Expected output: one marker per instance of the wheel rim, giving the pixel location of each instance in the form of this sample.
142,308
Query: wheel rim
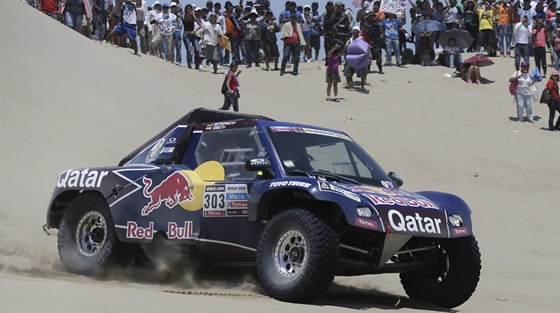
439,265
290,254
91,233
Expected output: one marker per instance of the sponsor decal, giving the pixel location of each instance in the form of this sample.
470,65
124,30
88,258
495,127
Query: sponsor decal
401,201
325,186
174,231
220,125
172,140
305,130
291,183
459,231
387,184
402,222
81,178
177,232
155,151
133,231
172,190
381,191
282,129
365,223
225,200
167,150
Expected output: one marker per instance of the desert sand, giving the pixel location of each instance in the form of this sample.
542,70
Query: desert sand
69,102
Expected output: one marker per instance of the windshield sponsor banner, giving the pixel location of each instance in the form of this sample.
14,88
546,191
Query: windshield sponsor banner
394,197
413,222
289,183
225,200
325,186
306,130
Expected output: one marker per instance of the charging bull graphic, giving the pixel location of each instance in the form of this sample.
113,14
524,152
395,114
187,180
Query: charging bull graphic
172,190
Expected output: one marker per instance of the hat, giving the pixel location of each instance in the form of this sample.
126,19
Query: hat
173,4
165,5
198,9
524,63
157,3
356,28
248,8
307,6
554,73
254,12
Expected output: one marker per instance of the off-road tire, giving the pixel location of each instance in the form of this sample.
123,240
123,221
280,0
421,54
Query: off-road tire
464,265
319,262
71,250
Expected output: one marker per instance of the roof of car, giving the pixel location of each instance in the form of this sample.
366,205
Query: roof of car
194,117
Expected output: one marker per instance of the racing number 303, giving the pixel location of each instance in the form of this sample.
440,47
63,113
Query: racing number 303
214,201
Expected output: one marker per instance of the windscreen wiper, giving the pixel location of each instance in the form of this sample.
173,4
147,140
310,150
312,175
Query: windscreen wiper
323,173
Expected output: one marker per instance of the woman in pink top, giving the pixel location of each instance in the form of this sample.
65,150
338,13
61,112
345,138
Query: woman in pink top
539,46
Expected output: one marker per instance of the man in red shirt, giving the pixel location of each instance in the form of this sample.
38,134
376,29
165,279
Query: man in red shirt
293,39
49,7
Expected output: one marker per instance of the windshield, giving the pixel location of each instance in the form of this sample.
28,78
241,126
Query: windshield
312,150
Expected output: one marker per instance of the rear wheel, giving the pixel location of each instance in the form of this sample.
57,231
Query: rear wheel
297,256
87,241
453,274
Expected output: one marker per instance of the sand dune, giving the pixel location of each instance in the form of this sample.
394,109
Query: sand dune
67,102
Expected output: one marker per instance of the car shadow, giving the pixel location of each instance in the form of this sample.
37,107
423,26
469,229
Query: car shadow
366,298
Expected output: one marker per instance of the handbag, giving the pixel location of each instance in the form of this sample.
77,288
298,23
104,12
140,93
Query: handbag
513,88
546,97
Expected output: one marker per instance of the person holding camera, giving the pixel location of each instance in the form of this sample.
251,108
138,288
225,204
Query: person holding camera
230,88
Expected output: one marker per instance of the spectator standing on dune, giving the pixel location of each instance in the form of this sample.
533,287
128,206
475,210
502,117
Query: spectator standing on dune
128,25
167,24
75,13
230,88
293,38
523,94
211,30
49,7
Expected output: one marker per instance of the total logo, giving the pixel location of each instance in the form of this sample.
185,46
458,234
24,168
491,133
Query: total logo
413,223
174,231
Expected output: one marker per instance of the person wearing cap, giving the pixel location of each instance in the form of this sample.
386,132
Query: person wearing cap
521,35
190,39
293,39
230,88
177,38
167,24
524,92
151,30
554,103
306,31
128,25
211,31
252,31
269,28
504,12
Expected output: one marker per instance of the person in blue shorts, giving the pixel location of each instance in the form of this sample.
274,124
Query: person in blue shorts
127,26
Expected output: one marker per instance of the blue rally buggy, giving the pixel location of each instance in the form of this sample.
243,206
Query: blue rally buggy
301,203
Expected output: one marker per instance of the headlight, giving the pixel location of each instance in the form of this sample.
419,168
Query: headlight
364,211
455,220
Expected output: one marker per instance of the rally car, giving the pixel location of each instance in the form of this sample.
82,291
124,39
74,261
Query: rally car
300,203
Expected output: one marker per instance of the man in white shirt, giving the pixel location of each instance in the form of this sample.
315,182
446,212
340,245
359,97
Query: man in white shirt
128,25
211,31
526,10
521,35
167,24
148,18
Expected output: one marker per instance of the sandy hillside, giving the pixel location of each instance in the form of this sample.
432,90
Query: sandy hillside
68,102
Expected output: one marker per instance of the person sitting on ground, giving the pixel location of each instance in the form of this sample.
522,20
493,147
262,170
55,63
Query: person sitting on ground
427,54
470,73
452,53
554,103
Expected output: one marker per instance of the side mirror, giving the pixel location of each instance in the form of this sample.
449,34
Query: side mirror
396,178
260,164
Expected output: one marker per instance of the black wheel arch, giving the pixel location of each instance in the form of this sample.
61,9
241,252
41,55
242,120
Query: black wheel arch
61,202
275,201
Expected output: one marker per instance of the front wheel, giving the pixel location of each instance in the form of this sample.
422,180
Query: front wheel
453,274
297,256
87,241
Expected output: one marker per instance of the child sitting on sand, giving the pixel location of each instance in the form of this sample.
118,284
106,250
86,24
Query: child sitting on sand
332,76
452,53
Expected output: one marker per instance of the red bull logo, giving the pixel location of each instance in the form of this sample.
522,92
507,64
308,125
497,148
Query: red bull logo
172,190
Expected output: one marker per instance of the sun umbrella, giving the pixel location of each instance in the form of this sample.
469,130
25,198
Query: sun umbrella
479,60
428,26
462,38
357,54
